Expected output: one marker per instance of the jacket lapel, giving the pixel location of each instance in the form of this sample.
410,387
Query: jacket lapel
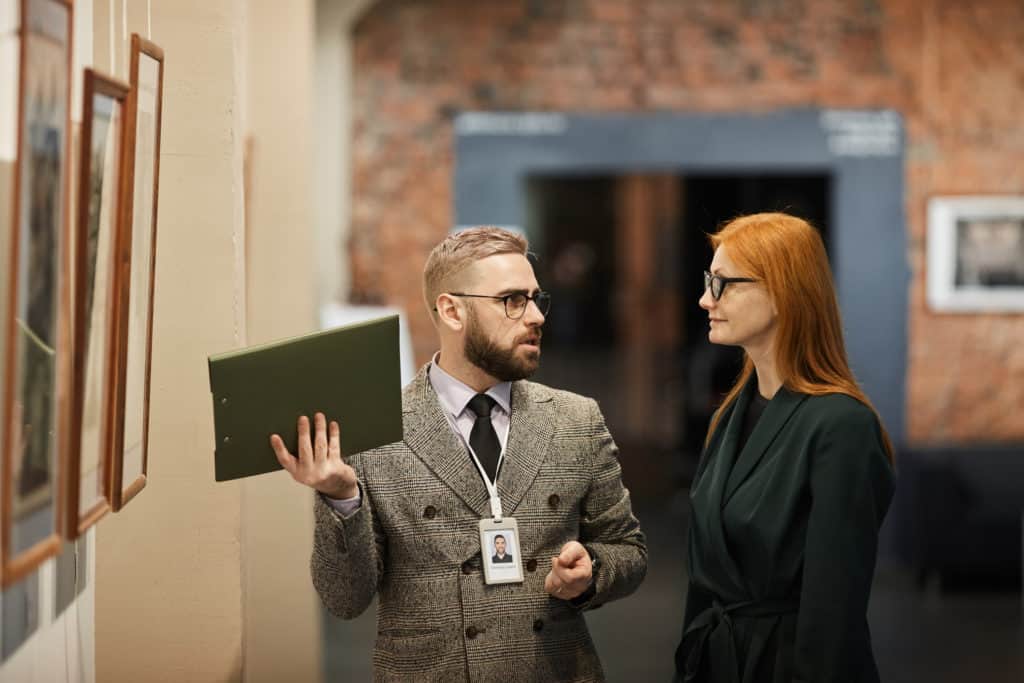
775,416
708,496
728,449
529,435
429,435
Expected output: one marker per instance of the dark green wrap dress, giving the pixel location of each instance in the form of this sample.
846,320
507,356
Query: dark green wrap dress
783,539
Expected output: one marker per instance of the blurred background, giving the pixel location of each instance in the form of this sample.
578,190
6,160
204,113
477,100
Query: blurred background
313,153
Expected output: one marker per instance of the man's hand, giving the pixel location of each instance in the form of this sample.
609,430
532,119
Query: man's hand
319,464
570,573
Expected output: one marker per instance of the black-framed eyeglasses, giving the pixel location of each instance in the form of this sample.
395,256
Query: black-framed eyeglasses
516,302
717,283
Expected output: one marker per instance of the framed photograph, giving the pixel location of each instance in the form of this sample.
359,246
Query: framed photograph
499,548
976,254
96,286
137,261
36,323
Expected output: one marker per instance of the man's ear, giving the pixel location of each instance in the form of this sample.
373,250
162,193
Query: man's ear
450,312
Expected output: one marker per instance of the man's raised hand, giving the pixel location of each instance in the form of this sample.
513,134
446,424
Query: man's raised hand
318,464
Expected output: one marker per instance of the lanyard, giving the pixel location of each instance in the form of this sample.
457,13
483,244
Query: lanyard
492,488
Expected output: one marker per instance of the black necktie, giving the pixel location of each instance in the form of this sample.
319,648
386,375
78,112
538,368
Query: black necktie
483,439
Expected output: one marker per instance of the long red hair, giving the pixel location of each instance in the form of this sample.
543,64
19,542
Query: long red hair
786,254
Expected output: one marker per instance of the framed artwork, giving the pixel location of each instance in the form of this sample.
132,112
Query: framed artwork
36,323
137,259
99,191
976,254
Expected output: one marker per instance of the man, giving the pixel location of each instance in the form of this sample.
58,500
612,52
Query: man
499,550
406,521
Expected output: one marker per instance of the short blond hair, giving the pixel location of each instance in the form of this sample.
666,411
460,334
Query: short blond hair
459,250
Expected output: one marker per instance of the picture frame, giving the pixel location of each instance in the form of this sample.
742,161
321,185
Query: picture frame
975,254
34,414
137,261
100,189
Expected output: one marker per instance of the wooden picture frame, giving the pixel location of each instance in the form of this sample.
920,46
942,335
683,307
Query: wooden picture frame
100,189
975,254
137,261
36,322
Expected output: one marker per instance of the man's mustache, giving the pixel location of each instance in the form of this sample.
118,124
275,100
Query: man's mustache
533,338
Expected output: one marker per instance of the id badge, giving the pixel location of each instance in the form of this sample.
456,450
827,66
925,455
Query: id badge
499,548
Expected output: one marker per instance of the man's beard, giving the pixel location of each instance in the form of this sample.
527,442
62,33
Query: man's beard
494,360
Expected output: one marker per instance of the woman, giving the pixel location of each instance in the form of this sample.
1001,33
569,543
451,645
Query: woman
795,478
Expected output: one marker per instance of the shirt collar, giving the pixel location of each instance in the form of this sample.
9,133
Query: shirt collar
455,394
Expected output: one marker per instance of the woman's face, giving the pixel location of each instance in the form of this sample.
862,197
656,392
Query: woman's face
745,315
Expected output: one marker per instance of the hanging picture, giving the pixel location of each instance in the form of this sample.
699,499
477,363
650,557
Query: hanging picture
99,194
137,261
976,254
35,324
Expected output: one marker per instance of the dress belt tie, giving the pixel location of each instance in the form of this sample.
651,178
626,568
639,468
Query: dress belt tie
713,631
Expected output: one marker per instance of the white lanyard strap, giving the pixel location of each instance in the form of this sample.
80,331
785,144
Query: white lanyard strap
492,489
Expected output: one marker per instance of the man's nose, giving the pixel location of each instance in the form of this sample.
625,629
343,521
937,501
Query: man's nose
533,316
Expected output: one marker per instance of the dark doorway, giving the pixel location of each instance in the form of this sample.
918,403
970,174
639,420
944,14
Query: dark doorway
572,234
623,256
605,247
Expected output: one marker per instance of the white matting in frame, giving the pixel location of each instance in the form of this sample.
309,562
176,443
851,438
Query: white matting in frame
499,549
976,254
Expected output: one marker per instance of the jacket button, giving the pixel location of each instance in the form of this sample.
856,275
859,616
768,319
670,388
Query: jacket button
471,632
538,625
531,565
554,500
467,567
429,512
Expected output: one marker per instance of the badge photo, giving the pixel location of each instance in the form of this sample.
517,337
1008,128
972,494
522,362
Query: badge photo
499,548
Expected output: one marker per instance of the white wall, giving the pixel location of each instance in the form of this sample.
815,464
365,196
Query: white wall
169,591
280,607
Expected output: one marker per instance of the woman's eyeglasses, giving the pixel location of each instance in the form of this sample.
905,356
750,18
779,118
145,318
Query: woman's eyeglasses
717,283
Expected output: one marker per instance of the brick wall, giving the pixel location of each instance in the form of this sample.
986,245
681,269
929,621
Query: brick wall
955,70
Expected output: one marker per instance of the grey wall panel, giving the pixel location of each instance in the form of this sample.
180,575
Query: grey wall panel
862,151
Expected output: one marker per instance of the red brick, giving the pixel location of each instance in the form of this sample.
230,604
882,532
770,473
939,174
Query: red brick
611,11
955,71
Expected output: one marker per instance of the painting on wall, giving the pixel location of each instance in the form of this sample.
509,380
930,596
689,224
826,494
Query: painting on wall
135,309
36,325
976,254
10,41
100,188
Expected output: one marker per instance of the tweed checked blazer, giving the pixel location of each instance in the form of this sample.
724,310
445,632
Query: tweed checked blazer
415,542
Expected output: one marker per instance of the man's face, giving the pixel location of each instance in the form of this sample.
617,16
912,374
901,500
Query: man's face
505,349
499,546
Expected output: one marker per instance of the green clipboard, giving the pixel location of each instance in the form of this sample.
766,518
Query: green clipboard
351,374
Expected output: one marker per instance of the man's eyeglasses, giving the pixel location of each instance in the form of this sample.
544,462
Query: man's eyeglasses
516,303
717,283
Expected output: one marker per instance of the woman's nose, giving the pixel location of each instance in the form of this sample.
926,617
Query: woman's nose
707,302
